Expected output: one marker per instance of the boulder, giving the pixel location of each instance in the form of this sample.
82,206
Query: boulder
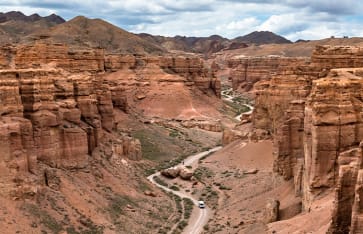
251,171
150,194
172,172
185,173
272,211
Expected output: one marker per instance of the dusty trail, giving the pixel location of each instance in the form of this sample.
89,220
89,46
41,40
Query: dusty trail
229,98
196,225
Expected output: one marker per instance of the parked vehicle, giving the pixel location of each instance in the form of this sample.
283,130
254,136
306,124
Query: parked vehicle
201,204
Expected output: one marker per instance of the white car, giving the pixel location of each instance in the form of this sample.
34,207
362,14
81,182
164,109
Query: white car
201,204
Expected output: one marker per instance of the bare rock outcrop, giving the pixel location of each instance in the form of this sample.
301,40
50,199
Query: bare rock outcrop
172,172
59,56
357,216
178,171
247,71
212,126
313,113
272,211
185,173
58,106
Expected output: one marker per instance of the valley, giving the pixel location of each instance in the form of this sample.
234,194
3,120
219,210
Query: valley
107,131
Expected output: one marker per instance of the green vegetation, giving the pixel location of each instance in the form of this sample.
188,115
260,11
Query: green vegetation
182,224
235,108
227,173
203,172
54,226
240,100
174,133
117,205
208,194
45,219
223,187
165,165
149,146
160,181
188,207
175,188
142,186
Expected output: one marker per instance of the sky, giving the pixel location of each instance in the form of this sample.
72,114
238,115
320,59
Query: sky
293,19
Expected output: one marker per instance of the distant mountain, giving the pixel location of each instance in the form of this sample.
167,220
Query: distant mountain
203,45
301,40
214,43
82,31
262,37
19,16
14,25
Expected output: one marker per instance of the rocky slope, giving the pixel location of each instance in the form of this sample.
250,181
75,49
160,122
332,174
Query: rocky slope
262,37
215,43
297,49
246,71
202,45
82,31
61,116
19,16
15,25
312,111
66,99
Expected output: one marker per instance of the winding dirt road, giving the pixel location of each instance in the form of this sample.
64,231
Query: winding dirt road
195,226
229,98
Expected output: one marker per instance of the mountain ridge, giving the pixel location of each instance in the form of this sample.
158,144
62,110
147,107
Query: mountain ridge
19,16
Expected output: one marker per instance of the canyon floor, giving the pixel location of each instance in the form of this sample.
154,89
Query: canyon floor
236,183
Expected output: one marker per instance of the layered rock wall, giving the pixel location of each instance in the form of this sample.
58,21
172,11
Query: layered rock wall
60,56
191,68
57,106
314,114
245,72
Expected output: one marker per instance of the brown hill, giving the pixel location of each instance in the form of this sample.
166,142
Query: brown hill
81,31
19,16
297,49
214,43
202,45
262,37
14,25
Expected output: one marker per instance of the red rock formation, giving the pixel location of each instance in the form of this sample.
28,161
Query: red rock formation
314,115
57,106
357,216
337,56
247,71
59,56
191,68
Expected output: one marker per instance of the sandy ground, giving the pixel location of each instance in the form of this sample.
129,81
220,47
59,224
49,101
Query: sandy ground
199,216
238,199
316,221
243,197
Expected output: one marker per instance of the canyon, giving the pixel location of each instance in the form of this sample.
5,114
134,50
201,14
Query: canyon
311,108
62,112
93,117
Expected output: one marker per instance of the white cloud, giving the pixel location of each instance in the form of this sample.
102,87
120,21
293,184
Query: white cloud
294,19
243,24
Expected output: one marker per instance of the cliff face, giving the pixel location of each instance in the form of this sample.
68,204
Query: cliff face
245,72
313,113
192,69
57,105
165,87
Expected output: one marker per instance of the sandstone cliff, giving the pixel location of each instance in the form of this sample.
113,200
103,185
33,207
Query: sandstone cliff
246,71
313,113
57,104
